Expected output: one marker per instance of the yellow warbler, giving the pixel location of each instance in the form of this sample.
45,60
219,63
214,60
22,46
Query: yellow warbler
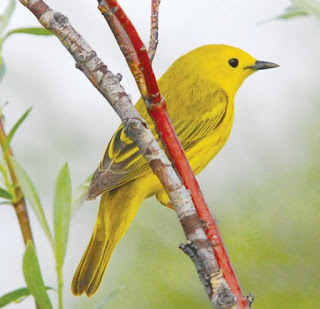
199,89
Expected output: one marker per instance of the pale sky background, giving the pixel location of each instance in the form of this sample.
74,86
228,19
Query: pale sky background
69,113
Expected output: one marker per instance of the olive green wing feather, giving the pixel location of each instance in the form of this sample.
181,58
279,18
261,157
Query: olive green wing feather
122,160
121,163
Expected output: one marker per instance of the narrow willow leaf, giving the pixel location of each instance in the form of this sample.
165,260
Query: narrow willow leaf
14,296
5,194
4,19
109,297
29,30
302,8
62,213
80,193
15,128
309,6
5,203
32,197
33,277
2,68
293,11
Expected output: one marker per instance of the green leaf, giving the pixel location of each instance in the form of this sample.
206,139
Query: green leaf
80,193
16,296
33,277
62,213
309,6
2,68
5,203
4,19
32,197
109,297
302,8
29,30
14,129
5,194
293,11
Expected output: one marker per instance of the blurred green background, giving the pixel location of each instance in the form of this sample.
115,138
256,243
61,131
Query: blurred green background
263,187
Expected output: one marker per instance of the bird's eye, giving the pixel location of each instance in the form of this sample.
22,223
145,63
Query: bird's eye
234,62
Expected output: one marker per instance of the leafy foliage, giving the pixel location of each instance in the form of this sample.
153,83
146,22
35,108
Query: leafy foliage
61,216
62,213
15,128
4,20
32,197
15,296
5,194
5,17
302,8
33,277
29,30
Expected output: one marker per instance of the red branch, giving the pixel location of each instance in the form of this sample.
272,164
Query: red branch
157,109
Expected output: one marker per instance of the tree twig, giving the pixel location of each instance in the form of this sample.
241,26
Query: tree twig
18,202
154,33
156,106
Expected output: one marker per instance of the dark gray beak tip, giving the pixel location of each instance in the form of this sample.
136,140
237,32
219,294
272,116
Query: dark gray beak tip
263,65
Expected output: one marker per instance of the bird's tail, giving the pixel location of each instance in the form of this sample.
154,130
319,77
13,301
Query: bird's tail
117,210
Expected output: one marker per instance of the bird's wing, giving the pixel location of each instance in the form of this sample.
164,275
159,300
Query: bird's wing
123,162
192,131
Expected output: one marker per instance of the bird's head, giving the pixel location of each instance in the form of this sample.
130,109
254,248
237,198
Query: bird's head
227,66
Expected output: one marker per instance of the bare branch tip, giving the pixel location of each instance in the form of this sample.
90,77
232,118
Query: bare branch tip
250,298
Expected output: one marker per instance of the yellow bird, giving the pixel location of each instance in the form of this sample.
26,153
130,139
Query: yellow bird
199,89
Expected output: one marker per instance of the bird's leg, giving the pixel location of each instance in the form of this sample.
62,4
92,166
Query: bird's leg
164,199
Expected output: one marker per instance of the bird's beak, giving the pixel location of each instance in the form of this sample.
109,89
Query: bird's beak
262,65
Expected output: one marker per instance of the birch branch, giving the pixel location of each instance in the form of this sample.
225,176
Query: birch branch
198,247
18,203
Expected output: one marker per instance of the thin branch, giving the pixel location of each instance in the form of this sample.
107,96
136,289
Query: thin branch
154,33
157,110
108,85
18,202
